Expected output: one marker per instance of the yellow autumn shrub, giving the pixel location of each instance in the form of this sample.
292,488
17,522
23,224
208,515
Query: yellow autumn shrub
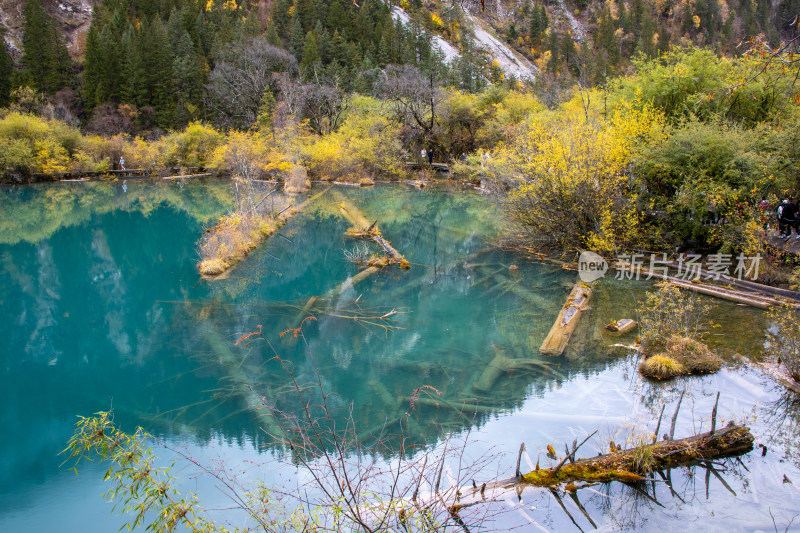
194,146
365,146
32,144
569,170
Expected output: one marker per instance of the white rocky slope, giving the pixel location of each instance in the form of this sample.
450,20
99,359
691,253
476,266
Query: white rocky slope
576,26
510,62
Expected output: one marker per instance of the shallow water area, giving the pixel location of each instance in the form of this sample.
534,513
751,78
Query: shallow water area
102,307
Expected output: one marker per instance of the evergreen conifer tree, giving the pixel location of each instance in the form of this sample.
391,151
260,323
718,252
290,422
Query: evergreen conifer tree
6,71
296,37
45,59
311,57
272,35
251,27
187,74
91,66
569,54
553,47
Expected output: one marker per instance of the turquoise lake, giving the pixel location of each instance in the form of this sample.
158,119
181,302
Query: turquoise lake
101,307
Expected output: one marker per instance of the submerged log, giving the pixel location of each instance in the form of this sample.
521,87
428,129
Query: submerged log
634,464
502,364
235,372
351,282
556,341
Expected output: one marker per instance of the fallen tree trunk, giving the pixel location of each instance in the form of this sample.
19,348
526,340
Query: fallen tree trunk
234,370
724,294
362,228
633,464
556,341
752,294
502,364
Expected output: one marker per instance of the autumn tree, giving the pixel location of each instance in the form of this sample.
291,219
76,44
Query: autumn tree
415,103
242,74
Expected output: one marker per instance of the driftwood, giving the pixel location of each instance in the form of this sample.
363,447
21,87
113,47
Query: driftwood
634,464
558,338
623,325
762,302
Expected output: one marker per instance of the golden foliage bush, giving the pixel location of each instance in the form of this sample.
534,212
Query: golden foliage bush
570,173
661,367
365,146
31,144
681,356
252,155
194,146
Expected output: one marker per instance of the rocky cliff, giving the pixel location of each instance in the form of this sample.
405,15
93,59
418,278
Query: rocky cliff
73,16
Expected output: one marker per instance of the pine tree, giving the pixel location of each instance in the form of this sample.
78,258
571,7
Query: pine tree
251,27
187,73
6,71
280,17
304,9
296,37
552,46
45,59
569,54
337,18
160,72
339,50
384,52
272,35
311,57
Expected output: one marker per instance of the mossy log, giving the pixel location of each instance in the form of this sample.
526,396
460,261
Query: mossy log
215,269
502,364
556,341
464,407
363,228
380,392
634,464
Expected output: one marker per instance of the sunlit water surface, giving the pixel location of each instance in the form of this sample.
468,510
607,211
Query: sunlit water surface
101,307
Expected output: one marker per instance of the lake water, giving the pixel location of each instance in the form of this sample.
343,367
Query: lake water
101,307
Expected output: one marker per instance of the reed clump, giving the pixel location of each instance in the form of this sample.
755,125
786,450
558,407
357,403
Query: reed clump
678,356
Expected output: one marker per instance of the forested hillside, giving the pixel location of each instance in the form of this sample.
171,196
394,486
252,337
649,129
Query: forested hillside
153,65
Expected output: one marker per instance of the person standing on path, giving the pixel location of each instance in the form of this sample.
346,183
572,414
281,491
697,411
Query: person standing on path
796,221
786,218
